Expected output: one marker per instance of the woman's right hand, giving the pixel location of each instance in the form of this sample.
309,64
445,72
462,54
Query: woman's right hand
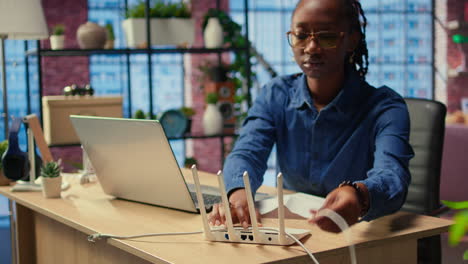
239,210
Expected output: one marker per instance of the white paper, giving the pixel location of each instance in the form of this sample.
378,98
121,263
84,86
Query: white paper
298,203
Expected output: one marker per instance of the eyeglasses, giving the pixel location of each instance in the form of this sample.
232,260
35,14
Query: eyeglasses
325,39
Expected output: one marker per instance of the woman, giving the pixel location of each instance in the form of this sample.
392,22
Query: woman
336,135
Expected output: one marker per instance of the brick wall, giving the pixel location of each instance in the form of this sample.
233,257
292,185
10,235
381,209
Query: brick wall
457,87
58,72
206,151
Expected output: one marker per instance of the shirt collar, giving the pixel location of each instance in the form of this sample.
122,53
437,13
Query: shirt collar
344,101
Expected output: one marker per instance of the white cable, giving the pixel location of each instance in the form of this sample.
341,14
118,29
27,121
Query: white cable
296,240
341,223
97,236
336,218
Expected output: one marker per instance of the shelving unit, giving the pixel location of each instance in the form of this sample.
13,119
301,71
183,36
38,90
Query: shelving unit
149,52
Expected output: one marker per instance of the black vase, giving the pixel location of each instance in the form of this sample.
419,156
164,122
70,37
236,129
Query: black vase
15,162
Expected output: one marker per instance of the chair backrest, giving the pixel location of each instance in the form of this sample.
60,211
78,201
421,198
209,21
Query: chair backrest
427,139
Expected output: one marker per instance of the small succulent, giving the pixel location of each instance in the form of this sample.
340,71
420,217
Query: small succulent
139,114
211,98
58,30
50,170
188,111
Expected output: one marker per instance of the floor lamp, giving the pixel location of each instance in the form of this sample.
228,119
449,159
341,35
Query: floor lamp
19,19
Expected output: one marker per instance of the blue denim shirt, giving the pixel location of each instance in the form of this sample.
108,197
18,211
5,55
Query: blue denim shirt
362,136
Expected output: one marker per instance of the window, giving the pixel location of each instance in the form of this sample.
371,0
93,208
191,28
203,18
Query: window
109,72
399,38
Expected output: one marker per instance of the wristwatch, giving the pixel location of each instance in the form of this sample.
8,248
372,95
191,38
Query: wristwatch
362,199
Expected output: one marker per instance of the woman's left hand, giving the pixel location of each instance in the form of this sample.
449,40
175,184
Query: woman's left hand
344,201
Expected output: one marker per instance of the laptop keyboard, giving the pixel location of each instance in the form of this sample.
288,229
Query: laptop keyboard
209,199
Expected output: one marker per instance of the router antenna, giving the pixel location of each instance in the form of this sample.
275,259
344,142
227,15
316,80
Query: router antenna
251,205
282,233
227,209
201,204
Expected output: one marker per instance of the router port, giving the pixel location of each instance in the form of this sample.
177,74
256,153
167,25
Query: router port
250,237
243,237
226,236
269,238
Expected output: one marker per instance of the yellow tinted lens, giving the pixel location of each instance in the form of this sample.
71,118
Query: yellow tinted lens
327,39
298,40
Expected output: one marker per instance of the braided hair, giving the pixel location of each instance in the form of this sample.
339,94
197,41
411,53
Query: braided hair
353,12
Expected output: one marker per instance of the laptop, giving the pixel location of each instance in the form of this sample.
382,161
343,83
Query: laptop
133,160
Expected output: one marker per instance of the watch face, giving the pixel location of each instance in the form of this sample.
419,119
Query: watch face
174,123
224,92
226,109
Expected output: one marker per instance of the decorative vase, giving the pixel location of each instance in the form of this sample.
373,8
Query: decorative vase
91,36
213,35
51,187
212,120
57,42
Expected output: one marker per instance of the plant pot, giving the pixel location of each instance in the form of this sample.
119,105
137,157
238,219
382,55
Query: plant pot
52,187
212,120
57,42
91,36
164,31
213,34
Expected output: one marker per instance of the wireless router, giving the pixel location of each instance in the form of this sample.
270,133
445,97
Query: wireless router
254,234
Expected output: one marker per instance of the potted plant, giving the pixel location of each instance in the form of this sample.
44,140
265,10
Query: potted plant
170,24
189,161
57,39
458,230
189,112
51,180
3,147
110,36
212,118
139,114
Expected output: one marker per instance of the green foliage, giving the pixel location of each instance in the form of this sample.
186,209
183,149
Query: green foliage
238,71
211,98
188,111
3,148
139,114
151,116
159,10
189,161
58,30
50,170
110,31
234,37
459,229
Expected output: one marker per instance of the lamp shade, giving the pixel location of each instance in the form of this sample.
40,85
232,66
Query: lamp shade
22,19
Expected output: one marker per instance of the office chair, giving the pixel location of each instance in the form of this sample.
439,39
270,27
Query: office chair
427,138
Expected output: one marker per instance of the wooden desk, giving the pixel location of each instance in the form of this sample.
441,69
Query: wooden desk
55,231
